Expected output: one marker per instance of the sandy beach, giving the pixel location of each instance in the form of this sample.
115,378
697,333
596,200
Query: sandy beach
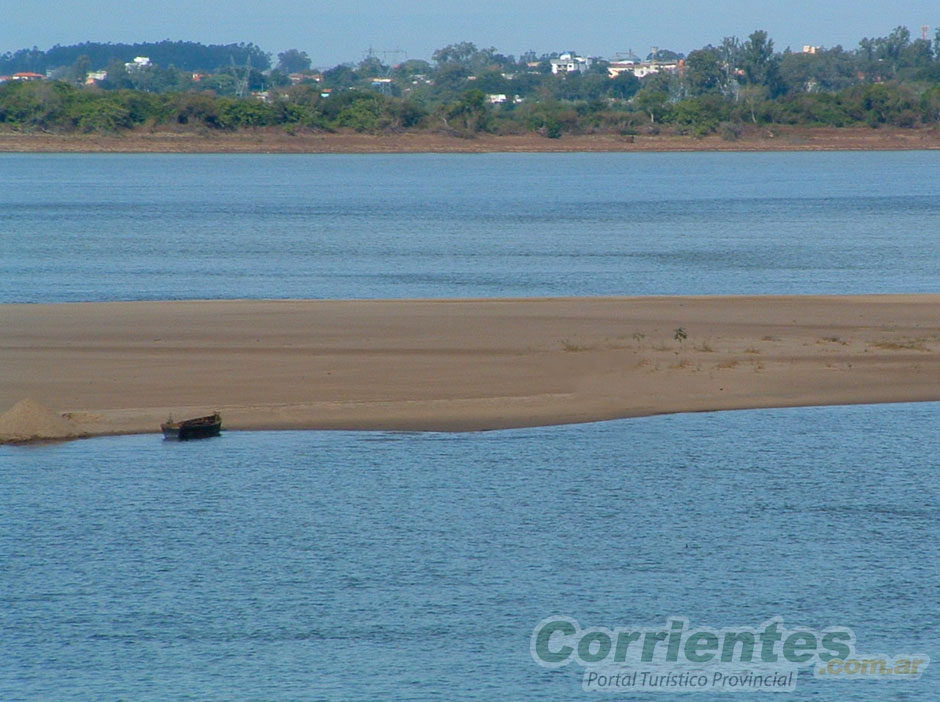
123,367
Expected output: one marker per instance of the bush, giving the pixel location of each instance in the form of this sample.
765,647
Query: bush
102,115
730,131
246,112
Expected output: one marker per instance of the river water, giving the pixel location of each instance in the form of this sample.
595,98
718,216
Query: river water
411,566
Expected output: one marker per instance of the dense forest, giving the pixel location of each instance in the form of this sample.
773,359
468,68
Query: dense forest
891,80
184,55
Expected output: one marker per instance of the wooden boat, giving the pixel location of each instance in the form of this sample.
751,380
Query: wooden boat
196,428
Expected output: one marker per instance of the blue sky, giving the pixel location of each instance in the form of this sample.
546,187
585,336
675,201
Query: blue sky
337,32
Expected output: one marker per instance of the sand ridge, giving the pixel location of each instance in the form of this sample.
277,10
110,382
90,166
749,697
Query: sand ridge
29,420
122,367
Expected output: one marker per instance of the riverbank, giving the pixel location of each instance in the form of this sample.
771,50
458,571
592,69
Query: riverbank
277,141
123,367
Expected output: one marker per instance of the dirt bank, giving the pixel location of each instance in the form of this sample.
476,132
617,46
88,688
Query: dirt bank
277,141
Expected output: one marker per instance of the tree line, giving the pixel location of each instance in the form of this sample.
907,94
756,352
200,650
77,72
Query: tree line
184,55
892,80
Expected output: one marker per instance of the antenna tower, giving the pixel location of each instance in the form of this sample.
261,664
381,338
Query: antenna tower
241,81
385,54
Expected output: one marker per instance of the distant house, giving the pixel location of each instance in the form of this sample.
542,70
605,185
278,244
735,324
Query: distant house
138,63
567,63
27,75
503,99
641,69
93,77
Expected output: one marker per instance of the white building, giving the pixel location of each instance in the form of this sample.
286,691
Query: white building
566,63
641,69
138,63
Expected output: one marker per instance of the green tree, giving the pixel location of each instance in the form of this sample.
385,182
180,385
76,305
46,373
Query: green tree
470,114
461,53
195,109
118,78
99,114
892,47
624,86
293,61
340,77
754,98
371,67
884,103
80,68
695,116
730,54
703,71
245,112
36,105
760,64
143,107
450,81
930,105
826,71
407,70
918,54
652,101
408,113
493,82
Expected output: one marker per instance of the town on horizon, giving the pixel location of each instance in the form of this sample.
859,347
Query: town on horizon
891,80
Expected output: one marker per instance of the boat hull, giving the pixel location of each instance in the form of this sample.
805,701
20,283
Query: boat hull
198,428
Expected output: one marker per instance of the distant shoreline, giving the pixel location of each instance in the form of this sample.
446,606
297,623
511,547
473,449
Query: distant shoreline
82,369
277,141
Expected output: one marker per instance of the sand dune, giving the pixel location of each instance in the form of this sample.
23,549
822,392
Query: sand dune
460,364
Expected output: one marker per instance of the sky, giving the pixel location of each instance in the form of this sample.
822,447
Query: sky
339,32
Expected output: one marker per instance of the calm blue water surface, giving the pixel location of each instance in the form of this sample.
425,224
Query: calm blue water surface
368,566
384,566
105,227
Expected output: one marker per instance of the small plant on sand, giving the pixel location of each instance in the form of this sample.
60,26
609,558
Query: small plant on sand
571,347
679,334
906,344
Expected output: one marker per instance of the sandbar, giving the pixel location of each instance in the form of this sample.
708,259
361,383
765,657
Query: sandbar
460,365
